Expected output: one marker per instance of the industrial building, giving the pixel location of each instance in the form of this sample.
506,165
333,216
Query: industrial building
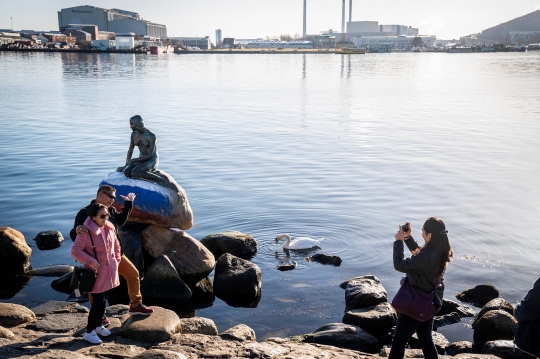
202,43
324,41
278,44
390,43
525,24
113,20
218,38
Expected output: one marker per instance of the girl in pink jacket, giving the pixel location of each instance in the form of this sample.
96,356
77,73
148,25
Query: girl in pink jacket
101,233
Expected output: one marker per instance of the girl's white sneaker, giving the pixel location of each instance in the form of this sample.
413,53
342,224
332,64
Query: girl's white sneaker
92,337
104,332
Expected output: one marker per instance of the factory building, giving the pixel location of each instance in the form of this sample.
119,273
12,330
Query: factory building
112,20
203,43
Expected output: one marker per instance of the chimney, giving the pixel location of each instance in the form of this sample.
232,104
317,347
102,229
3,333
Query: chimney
343,22
304,33
350,10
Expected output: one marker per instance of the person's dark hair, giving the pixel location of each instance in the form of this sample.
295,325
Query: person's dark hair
94,209
106,188
439,242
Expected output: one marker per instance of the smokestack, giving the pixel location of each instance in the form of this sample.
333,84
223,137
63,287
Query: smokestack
350,10
343,22
304,19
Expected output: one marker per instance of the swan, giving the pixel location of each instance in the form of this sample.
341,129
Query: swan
298,242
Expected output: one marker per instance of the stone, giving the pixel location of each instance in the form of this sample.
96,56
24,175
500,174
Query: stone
117,310
461,347
346,336
157,327
155,204
6,333
233,242
504,349
325,259
449,306
438,339
60,323
474,356
12,284
51,271
479,295
49,240
12,315
162,281
495,304
447,319
286,264
363,292
55,354
191,259
240,332
376,320
130,235
202,294
63,284
52,306
236,277
409,353
198,325
494,325
14,252
112,350
159,354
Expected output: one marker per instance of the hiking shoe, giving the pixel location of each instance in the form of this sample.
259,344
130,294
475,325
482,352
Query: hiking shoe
104,332
140,310
105,322
92,337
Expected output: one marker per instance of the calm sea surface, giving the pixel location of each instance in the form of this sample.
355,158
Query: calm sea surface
345,147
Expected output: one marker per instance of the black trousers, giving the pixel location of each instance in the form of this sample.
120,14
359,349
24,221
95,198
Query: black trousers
97,311
405,328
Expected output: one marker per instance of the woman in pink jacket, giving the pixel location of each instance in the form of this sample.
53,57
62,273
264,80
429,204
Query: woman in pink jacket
101,233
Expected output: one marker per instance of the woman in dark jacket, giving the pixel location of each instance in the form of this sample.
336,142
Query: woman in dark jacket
425,270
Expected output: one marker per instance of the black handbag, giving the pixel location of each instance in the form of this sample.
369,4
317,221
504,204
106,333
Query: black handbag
84,279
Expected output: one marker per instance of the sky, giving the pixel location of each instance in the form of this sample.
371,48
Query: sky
258,19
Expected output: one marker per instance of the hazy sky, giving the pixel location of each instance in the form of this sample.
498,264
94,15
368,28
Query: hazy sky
255,18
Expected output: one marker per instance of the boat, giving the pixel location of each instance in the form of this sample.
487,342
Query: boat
533,47
348,50
160,48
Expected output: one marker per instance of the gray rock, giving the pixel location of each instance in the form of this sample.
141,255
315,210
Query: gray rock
60,323
474,356
494,325
54,354
448,319
51,306
346,336
285,266
62,284
326,259
461,347
236,277
343,284
233,242
14,252
240,332
6,333
130,234
159,354
376,320
495,304
191,259
438,339
117,310
157,327
112,350
12,315
51,271
198,325
449,306
363,292
504,349
409,353
162,281
49,240
479,295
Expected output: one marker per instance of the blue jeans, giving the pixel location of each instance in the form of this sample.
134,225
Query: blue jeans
405,328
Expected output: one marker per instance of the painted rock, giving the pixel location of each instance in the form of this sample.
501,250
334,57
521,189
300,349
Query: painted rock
154,204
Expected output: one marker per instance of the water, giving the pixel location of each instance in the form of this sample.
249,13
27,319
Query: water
345,147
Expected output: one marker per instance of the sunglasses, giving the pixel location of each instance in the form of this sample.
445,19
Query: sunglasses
111,196
103,216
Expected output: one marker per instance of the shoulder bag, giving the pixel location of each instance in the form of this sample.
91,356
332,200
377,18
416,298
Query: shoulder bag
415,303
84,279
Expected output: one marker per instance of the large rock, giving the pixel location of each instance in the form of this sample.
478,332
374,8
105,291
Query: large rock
191,259
450,306
364,291
62,284
51,271
494,325
49,240
14,252
240,332
155,204
326,259
495,304
233,242
376,320
479,295
461,347
55,354
447,319
504,349
157,327
60,323
6,333
198,325
159,354
130,235
346,336
12,315
236,277
162,281
438,339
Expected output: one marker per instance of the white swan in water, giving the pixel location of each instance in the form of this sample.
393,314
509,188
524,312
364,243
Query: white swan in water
298,242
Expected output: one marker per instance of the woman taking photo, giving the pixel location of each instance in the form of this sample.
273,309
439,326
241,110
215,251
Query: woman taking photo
100,235
425,270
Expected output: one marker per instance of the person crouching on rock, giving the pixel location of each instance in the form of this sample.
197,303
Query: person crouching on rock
425,271
101,233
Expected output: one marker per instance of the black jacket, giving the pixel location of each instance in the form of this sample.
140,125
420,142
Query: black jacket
527,313
421,269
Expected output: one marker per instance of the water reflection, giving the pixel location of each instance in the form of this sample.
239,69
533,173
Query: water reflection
11,285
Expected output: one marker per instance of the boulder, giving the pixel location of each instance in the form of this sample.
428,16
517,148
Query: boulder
346,336
52,306
409,353
117,310
112,350
447,319
14,252
363,292
155,204
62,284
157,327
12,284
449,306
286,264
6,333
51,271
130,235
49,240
60,323
54,354
198,325
495,304
325,259
494,325
233,242
240,332
479,295
236,277
461,347
12,315
159,354
504,349
376,320
191,259
162,281
202,294
438,339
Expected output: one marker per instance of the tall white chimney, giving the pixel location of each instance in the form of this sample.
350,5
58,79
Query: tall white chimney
343,22
304,33
350,10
